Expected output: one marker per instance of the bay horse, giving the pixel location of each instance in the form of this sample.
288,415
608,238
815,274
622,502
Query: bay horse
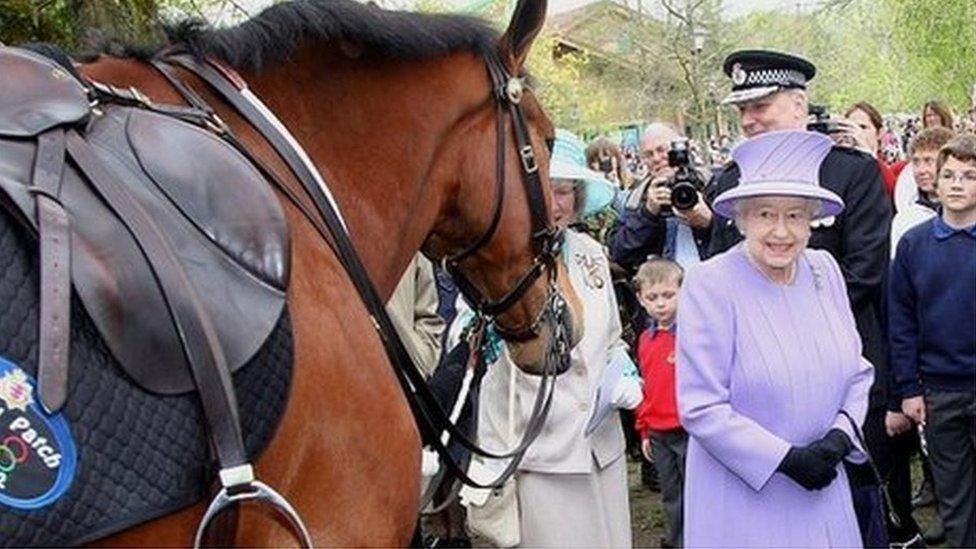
396,110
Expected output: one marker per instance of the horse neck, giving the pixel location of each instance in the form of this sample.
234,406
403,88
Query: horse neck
374,129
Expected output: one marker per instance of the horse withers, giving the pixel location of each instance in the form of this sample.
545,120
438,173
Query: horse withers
398,113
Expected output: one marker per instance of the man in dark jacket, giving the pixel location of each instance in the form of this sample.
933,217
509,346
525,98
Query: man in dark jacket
649,225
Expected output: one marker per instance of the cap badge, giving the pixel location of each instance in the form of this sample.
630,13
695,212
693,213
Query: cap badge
738,75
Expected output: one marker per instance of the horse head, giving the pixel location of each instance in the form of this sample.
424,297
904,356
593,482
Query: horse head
497,235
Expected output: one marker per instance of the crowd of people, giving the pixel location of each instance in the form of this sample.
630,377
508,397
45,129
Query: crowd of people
784,322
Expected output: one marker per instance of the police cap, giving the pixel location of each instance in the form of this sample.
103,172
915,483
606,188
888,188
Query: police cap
758,73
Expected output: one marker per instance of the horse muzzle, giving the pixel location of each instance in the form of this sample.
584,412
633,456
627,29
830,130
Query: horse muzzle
560,328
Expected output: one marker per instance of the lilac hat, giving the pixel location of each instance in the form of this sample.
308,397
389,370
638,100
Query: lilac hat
784,163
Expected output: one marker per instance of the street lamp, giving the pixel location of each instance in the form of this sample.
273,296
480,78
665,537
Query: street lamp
698,35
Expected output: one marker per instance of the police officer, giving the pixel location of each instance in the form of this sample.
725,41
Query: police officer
769,91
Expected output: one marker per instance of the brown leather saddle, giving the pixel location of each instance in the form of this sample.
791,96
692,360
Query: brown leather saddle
171,237
208,204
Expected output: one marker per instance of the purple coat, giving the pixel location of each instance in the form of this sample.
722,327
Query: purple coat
761,367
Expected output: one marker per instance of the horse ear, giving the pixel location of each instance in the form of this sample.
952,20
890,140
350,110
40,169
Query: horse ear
527,20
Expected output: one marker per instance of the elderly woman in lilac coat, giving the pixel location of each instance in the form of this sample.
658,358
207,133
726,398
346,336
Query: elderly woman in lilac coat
770,366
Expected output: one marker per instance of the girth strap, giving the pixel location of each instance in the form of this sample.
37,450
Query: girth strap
55,256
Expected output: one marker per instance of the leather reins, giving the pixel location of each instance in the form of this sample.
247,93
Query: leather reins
431,419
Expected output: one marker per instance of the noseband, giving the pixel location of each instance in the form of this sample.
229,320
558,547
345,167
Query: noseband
546,239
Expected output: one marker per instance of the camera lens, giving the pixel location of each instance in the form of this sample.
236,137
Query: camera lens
684,196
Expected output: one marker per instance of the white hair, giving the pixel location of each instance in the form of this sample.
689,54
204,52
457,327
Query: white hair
740,209
800,92
664,129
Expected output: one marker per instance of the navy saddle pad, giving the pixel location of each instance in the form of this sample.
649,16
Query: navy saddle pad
116,455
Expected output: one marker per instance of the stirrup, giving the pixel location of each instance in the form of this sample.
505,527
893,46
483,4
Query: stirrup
238,485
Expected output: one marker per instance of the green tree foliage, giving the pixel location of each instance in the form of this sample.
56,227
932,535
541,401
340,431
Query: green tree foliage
937,40
80,25
896,54
29,21
77,25
571,97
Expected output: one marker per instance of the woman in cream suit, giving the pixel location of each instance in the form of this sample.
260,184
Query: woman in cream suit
572,487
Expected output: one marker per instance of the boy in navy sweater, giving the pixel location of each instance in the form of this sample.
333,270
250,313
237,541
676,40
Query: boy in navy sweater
932,334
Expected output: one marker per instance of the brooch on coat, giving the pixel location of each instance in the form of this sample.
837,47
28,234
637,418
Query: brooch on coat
818,276
592,267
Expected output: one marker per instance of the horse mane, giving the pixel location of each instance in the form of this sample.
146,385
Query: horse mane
277,32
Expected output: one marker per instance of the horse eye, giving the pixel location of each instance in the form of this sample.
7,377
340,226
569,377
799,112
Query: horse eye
550,142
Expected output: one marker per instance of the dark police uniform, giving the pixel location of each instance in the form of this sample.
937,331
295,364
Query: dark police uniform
858,238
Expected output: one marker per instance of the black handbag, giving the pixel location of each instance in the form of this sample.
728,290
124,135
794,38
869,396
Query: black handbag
872,503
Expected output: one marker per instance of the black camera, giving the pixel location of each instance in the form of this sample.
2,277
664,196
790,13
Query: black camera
606,165
822,122
686,184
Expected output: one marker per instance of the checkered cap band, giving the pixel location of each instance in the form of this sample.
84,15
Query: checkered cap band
773,77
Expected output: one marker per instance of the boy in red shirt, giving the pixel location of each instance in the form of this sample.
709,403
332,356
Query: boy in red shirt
663,441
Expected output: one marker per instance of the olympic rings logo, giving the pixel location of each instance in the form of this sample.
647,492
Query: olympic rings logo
9,459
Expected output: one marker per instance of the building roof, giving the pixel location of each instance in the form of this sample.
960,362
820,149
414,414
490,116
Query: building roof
605,29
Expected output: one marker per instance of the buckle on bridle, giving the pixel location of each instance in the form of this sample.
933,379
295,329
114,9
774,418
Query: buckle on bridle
527,156
549,241
216,124
513,90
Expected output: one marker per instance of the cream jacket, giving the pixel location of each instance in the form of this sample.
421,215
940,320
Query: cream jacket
506,392
413,310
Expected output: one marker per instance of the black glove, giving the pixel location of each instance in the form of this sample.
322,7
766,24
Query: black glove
808,468
833,447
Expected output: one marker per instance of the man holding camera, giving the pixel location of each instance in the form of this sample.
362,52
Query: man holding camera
666,214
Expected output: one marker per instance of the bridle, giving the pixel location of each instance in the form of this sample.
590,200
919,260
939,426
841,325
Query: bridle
546,238
431,419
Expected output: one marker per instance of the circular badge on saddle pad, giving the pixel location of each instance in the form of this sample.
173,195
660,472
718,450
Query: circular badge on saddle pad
37,453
